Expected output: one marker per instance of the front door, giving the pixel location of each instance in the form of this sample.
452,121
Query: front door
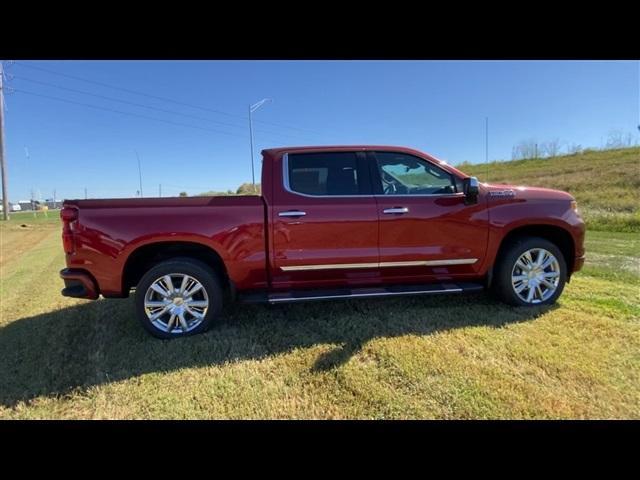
426,231
324,221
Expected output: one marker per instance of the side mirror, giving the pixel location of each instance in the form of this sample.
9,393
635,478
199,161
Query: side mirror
470,188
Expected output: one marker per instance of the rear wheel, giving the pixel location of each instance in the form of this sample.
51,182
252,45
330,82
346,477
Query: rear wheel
178,297
532,271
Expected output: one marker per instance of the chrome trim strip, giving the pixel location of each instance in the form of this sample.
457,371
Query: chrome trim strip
459,194
335,266
431,263
362,295
413,263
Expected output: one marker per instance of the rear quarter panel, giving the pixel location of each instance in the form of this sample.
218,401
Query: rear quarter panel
110,231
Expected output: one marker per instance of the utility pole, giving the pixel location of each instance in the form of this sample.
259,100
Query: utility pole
3,164
253,108
160,190
85,193
139,173
486,144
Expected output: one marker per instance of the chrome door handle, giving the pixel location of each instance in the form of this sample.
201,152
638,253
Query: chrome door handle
396,210
292,213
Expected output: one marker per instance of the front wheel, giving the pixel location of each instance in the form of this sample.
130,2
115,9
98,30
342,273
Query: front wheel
178,297
532,271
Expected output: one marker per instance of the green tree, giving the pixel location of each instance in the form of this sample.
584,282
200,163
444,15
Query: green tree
247,189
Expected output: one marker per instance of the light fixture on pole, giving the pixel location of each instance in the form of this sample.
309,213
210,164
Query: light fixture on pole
253,108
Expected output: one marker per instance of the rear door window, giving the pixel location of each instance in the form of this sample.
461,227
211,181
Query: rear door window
325,174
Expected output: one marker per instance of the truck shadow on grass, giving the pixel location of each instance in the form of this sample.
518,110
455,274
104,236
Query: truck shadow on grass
96,343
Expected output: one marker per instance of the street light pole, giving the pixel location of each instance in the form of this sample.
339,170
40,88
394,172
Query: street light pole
253,175
253,108
139,173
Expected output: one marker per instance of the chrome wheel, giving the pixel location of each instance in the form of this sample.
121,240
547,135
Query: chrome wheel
535,275
176,303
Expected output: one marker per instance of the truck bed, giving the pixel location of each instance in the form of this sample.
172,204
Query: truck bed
221,201
108,231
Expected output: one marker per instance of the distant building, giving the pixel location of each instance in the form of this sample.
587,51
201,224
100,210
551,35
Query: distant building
53,205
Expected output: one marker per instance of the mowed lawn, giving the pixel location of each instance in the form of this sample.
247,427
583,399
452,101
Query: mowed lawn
421,357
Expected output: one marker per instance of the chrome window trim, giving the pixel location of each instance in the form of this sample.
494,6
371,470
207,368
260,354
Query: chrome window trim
411,263
287,186
420,195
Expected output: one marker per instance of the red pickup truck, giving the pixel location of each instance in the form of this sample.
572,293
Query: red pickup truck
332,222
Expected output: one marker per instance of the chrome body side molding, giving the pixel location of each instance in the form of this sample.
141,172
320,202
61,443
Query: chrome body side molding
414,263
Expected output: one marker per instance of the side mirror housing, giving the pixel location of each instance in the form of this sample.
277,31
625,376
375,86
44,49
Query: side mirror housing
471,189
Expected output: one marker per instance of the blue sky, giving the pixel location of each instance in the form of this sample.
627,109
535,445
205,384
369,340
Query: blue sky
434,106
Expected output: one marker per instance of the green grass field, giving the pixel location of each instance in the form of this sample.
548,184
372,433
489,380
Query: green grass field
436,357
604,182
420,357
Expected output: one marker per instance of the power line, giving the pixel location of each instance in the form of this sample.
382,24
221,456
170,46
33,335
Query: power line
125,113
165,99
164,110
126,102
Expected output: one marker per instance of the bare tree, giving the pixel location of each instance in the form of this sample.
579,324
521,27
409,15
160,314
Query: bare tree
550,148
574,149
524,150
619,139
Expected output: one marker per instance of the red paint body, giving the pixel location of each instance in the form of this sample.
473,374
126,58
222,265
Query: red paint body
254,243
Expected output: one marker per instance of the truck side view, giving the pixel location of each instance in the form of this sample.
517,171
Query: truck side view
332,222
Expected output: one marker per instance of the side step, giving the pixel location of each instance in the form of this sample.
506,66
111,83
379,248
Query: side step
330,294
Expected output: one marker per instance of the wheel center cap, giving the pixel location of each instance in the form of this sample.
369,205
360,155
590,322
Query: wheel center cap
178,301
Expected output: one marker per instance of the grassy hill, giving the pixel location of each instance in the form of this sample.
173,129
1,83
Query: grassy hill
606,183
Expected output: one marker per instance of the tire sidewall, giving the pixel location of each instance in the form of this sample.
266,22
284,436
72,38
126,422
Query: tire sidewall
188,266
504,287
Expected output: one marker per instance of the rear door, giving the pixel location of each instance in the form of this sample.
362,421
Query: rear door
324,220
426,231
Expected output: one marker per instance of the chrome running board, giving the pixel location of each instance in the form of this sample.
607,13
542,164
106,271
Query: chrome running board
365,292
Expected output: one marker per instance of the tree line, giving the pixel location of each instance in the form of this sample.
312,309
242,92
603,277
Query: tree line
244,189
529,149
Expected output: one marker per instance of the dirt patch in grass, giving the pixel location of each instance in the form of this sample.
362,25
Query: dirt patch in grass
18,239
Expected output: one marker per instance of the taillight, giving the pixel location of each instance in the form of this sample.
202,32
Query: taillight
68,216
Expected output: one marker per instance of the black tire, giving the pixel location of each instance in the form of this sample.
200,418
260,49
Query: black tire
502,285
181,266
